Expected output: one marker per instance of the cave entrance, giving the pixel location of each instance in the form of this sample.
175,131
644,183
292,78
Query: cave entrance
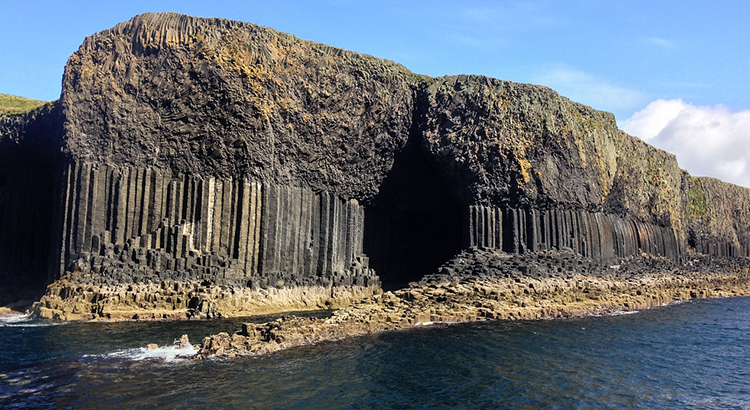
415,223
27,193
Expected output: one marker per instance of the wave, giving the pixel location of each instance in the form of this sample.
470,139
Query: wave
25,320
164,354
623,312
618,313
7,318
34,324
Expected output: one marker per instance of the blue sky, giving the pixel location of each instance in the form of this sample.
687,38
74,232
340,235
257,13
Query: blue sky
661,67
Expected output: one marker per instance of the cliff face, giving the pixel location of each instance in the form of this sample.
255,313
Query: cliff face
518,144
521,145
229,99
716,215
214,151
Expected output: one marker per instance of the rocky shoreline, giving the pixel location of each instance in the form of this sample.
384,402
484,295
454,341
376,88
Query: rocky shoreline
476,285
83,296
482,285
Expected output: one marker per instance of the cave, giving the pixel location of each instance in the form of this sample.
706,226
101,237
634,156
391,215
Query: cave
26,200
415,223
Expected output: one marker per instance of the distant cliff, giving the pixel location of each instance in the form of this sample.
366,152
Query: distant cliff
199,149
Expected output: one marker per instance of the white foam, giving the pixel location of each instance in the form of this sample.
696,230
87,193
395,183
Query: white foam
14,318
25,320
165,354
36,324
618,313
19,320
623,312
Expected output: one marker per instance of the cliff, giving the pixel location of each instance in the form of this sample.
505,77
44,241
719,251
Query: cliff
717,215
225,99
207,152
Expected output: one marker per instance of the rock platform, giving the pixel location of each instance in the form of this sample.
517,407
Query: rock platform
79,298
482,285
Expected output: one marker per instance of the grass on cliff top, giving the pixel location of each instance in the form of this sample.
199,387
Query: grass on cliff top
11,104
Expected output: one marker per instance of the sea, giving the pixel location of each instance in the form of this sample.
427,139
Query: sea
693,355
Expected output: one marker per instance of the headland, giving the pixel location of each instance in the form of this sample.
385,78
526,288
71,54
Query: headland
202,168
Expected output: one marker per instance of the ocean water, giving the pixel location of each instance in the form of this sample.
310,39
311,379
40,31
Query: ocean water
693,355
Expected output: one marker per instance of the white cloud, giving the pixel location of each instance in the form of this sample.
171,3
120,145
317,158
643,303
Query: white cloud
590,90
648,122
708,141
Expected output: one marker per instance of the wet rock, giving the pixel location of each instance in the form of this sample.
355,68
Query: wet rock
184,342
466,297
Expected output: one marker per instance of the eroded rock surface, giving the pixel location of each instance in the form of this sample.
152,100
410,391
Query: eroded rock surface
80,296
224,98
488,285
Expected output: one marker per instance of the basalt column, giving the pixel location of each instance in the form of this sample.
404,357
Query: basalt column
597,235
140,223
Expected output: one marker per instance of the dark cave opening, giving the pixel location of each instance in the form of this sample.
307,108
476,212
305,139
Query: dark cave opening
415,223
26,198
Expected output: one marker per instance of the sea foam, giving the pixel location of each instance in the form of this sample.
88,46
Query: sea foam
25,320
10,318
166,354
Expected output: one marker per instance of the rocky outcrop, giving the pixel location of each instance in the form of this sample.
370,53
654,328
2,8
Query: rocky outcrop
487,285
89,296
187,151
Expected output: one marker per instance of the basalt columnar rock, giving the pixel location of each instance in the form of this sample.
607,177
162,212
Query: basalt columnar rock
195,159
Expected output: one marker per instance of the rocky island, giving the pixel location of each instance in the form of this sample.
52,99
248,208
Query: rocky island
200,168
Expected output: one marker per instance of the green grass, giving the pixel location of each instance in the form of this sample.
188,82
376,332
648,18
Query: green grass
11,104
697,206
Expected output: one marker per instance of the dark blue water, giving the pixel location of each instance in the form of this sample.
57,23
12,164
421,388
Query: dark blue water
691,355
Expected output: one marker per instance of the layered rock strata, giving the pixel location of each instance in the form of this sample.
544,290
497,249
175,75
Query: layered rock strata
488,285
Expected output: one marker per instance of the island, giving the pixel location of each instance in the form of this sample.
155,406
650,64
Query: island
204,168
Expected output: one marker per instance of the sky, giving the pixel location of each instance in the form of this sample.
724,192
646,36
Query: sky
674,73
